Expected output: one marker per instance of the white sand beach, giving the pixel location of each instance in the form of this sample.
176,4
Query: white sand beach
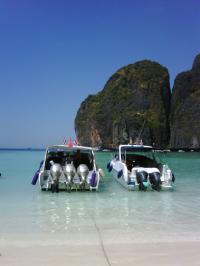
151,254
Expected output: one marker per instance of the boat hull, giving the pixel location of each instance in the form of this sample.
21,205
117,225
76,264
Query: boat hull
128,181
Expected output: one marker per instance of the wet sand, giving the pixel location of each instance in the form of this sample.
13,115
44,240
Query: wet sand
165,254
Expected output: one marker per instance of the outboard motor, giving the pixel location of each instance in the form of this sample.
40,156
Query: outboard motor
155,181
69,172
55,171
83,172
142,180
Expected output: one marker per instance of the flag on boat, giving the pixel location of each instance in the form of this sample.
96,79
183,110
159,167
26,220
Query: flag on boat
64,141
76,142
70,143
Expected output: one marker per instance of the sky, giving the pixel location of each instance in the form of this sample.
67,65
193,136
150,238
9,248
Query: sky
54,53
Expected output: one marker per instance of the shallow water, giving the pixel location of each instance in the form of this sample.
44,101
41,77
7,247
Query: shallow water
29,216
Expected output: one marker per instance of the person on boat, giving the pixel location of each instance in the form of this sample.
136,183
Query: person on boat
69,159
77,158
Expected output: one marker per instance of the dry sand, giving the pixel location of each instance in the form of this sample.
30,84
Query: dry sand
162,254
99,245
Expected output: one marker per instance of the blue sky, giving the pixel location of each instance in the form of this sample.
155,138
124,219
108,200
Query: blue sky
54,53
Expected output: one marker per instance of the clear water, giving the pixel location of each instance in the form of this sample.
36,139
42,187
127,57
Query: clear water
29,216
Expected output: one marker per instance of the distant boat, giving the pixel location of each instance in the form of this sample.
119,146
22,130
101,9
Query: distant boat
96,148
136,167
68,168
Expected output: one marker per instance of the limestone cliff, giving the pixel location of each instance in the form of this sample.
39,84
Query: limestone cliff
134,102
185,111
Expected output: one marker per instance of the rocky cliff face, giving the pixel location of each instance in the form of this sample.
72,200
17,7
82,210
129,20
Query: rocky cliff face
135,102
185,111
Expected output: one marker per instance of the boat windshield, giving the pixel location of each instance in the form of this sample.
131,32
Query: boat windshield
129,153
140,157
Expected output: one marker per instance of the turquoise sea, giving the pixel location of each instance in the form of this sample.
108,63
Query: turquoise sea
30,217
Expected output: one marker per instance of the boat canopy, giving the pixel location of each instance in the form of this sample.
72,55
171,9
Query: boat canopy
133,148
66,148
62,154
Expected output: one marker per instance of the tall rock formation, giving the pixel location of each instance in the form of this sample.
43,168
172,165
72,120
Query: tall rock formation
185,111
135,102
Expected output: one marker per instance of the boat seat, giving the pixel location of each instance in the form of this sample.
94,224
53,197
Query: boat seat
140,160
84,159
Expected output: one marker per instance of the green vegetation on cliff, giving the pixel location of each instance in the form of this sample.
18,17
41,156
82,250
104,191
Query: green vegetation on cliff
185,111
136,96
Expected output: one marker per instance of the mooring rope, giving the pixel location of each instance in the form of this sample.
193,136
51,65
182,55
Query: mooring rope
101,241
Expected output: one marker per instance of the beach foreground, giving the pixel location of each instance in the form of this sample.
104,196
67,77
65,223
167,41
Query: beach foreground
109,227
168,253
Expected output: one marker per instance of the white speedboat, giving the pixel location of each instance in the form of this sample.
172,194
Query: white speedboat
68,168
137,167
